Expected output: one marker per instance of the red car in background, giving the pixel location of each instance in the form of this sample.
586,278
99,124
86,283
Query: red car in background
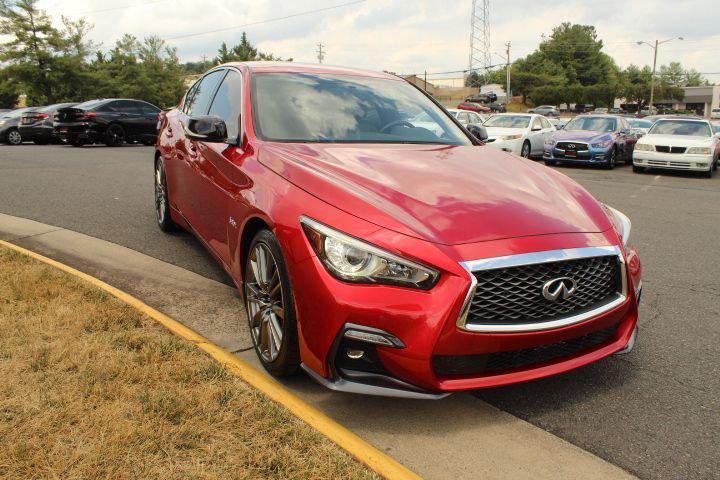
474,107
383,257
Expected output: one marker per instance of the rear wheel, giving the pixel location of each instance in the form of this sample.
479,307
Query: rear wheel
114,135
270,306
14,137
709,173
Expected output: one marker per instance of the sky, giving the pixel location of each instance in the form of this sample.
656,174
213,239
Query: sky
407,36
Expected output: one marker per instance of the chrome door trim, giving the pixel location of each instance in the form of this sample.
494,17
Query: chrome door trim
531,259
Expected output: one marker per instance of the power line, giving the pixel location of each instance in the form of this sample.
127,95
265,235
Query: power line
269,20
125,7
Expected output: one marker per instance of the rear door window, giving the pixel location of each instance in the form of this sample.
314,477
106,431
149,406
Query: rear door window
200,101
127,106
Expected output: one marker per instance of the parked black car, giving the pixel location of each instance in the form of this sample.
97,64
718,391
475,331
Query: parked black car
110,121
37,125
9,123
483,98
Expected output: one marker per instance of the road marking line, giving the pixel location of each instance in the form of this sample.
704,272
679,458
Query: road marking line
363,451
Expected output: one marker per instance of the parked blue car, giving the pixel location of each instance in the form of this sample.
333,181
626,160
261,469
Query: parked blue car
592,139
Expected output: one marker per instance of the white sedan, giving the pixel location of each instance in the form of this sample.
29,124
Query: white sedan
522,134
466,117
678,144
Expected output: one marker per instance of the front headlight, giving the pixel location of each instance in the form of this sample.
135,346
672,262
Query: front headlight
644,147
699,151
603,144
549,141
510,137
353,260
621,223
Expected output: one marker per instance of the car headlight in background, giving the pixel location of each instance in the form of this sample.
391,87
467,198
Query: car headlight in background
621,223
353,260
644,147
699,151
603,144
550,141
510,137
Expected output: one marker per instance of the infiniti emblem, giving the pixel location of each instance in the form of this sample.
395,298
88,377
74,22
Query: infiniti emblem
571,146
559,288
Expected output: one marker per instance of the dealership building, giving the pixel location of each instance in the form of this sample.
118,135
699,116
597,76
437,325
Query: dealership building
699,99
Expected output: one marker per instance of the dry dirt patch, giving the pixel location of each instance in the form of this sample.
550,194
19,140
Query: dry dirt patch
91,388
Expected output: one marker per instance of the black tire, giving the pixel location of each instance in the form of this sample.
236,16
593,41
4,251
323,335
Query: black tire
13,137
610,162
162,199
550,163
41,142
709,173
286,359
77,142
114,135
525,150
638,169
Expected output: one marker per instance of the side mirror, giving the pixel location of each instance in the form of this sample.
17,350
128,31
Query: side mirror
479,132
207,128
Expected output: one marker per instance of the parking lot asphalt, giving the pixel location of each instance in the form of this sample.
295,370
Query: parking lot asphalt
654,412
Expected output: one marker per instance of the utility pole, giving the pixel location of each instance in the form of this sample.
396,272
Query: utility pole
321,54
507,75
425,82
652,78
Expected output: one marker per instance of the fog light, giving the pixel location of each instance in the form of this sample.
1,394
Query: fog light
354,354
701,164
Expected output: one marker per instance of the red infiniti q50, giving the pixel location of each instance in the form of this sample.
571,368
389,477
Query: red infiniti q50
378,246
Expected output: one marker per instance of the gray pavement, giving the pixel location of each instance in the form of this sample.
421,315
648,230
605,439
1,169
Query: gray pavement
655,412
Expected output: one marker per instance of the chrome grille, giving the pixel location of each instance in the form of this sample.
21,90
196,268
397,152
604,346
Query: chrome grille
572,146
513,295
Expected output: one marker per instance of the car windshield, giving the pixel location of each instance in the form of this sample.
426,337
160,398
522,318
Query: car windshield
637,123
300,107
594,124
508,121
681,127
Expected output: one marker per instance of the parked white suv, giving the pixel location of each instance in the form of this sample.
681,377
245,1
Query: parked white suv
678,144
715,113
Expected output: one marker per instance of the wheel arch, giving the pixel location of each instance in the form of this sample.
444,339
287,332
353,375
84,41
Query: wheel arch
251,227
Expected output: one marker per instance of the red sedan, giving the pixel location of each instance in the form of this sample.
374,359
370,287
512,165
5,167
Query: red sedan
378,247
474,107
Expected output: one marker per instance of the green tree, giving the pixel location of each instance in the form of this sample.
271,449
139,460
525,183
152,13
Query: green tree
32,48
243,52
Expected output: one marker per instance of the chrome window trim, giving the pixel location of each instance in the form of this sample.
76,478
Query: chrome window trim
531,259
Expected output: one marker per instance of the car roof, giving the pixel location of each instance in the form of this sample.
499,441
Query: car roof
296,67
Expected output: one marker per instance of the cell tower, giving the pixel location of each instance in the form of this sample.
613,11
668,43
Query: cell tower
480,35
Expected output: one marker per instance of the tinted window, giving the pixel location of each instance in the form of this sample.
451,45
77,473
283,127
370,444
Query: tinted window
148,109
189,95
463,117
508,121
594,124
127,106
228,101
344,108
200,102
679,127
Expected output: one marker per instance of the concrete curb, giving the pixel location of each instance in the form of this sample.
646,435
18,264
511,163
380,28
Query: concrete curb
353,444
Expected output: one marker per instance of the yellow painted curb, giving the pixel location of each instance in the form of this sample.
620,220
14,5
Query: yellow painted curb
353,444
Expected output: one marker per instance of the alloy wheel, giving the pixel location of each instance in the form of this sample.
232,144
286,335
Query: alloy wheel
160,193
525,152
264,300
14,137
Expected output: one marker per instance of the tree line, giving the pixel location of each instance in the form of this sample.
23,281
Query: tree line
52,64
569,66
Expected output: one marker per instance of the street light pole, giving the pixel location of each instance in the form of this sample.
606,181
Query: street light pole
652,78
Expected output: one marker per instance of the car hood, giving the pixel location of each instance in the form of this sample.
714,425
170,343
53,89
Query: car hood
443,194
677,140
579,135
498,131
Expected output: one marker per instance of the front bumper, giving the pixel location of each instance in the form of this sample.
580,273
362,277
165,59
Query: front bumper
590,156
426,324
511,146
672,161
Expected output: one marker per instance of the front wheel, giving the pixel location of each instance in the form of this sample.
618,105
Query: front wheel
550,163
270,306
162,202
525,150
610,162
638,169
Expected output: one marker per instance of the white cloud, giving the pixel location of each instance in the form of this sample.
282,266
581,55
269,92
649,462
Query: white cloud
410,36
